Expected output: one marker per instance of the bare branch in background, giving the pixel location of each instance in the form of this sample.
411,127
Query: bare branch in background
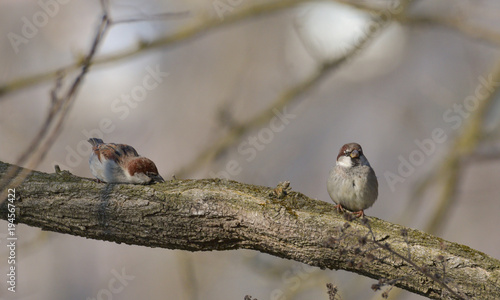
200,26
204,25
154,17
447,174
289,96
54,121
458,24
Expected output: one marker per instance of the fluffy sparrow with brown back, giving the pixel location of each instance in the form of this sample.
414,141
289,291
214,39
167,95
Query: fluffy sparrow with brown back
120,163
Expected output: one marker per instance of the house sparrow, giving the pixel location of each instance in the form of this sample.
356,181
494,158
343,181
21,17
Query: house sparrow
352,183
120,163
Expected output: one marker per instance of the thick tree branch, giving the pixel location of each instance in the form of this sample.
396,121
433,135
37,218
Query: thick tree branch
214,214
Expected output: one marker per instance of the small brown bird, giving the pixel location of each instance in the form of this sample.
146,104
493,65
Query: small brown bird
352,183
120,163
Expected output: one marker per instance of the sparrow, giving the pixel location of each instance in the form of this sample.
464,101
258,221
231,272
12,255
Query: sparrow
352,183
120,163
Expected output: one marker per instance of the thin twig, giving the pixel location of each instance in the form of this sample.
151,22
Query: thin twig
460,25
54,121
447,174
153,17
184,34
288,96
409,261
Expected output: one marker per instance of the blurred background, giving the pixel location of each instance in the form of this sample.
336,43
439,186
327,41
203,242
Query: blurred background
276,86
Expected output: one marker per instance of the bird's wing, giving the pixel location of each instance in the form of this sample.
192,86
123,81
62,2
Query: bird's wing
115,152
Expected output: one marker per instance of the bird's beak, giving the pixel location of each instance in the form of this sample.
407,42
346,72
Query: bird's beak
156,178
354,154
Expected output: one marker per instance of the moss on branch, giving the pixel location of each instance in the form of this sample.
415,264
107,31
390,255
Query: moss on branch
217,214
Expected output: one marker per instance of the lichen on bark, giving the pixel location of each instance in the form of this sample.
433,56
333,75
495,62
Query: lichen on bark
219,214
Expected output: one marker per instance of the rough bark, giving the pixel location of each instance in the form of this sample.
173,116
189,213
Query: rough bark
215,214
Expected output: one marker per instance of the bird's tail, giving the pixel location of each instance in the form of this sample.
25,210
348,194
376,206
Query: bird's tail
95,141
